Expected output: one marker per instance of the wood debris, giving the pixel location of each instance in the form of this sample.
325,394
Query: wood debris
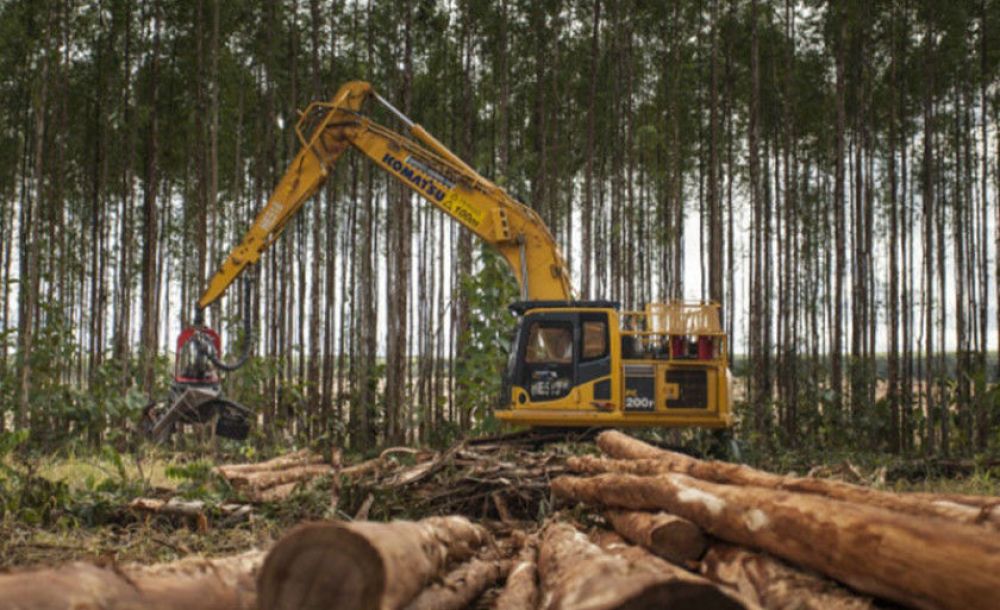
653,529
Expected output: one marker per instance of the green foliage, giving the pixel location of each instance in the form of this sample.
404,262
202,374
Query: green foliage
486,342
197,480
30,498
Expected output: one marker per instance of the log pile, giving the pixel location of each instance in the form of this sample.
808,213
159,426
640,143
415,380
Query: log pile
657,529
795,536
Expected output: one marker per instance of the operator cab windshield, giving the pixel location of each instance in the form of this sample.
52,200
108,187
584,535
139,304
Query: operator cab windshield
548,343
548,356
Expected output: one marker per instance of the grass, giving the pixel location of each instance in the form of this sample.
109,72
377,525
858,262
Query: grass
79,472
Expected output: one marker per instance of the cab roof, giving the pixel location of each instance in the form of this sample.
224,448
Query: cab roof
520,307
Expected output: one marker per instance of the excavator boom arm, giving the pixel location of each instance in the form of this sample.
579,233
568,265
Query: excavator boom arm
424,165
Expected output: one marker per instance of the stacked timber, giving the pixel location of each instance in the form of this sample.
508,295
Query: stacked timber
658,529
783,541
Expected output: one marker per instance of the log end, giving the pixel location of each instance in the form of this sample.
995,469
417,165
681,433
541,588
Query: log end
319,566
678,541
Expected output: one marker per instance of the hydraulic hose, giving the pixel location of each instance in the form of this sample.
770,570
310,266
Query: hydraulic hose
205,348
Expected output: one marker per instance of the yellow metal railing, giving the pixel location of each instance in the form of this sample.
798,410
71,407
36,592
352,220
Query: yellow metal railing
676,329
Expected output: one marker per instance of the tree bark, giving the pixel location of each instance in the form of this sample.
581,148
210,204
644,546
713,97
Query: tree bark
297,458
253,484
840,231
917,562
668,536
462,585
150,224
775,585
637,460
362,565
193,584
578,574
521,589
30,272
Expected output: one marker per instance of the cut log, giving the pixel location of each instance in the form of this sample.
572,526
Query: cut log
520,592
463,585
639,458
615,544
619,445
273,494
578,574
668,536
190,584
925,563
301,457
363,565
256,481
173,506
774,584
361,469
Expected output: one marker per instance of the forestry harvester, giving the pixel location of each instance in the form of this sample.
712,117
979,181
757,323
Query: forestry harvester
573,363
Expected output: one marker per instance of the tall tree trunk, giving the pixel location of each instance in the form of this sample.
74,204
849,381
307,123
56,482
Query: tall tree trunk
927,195
715,245
150,279
398,278
28,293
892,319
840,235
588,201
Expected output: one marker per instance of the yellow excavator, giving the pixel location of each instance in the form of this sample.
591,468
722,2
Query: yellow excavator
572,363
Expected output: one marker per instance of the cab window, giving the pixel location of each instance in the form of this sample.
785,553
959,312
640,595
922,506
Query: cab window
595,340
549,344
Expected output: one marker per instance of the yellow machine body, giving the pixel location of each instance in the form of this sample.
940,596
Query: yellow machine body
590,365
663,366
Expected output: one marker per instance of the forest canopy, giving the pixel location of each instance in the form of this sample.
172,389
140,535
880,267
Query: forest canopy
827,171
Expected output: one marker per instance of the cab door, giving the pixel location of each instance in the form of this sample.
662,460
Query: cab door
548,355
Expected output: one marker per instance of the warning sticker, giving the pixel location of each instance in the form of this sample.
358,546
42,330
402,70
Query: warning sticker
463,210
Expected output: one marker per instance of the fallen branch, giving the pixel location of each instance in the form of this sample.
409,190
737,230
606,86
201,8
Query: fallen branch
363,565
920,562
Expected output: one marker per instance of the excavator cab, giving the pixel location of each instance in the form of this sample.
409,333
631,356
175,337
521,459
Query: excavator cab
588,363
